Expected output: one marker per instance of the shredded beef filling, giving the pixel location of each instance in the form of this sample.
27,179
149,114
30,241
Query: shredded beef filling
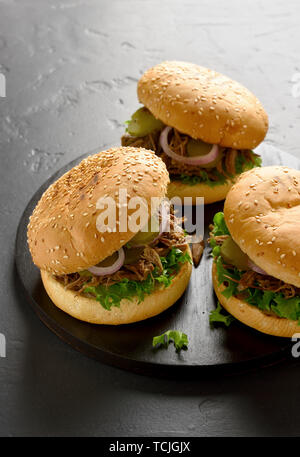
178,143
251,279
139,271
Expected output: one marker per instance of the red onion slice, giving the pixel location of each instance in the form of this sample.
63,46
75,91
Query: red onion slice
199,160
255,268
102,271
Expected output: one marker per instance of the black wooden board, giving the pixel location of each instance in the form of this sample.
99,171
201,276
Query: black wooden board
227,350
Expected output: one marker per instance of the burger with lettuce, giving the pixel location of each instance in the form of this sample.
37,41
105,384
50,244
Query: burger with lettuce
201,123
256,250
114,276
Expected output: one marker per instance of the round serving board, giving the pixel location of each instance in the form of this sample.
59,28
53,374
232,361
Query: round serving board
227,350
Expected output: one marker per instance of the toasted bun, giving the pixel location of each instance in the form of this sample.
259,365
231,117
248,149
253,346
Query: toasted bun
262,212
210,194
62,233
203,104
252,316
89,310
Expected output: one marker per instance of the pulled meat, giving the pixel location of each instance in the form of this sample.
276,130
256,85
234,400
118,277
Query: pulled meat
178,143
254,280
268,283
138,271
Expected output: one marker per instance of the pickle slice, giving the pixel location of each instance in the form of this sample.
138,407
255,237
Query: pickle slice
108,261
147,234
196,148
233,255
132,255
143,122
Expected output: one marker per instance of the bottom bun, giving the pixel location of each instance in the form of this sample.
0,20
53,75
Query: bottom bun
252,316
211,194
89,310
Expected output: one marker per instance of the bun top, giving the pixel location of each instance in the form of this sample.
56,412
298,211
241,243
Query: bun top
203,104
262,212
62,233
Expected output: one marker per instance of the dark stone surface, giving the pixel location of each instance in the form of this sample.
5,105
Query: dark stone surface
71,69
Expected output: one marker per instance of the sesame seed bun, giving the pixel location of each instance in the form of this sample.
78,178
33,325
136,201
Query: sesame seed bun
203,104
89,310
210,194
62,233
252,316
262,212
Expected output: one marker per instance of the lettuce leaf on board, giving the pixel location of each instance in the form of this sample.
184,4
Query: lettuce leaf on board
179,339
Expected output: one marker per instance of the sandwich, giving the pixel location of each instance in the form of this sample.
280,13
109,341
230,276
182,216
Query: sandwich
101,272
201,123
256,249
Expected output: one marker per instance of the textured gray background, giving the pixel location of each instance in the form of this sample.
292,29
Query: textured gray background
71,70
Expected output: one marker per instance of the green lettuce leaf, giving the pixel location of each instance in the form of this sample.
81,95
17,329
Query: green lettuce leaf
287,308
241,165
220,228
203,178
128,289
220,316
179,339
